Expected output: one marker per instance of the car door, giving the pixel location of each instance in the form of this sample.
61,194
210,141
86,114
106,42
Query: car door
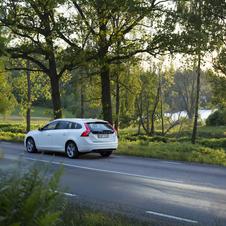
44,138
59,136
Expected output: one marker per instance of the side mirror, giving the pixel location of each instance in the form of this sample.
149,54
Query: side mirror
40,128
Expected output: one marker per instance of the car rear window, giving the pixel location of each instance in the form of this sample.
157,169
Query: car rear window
99,127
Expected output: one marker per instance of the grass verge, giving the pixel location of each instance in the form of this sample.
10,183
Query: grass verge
78,213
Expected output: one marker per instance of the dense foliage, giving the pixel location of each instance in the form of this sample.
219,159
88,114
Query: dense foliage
217,118
7,99
90,58
29,195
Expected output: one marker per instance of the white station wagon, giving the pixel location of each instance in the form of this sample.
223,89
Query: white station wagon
73,136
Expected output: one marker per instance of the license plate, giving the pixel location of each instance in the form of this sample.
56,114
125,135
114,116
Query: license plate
103,136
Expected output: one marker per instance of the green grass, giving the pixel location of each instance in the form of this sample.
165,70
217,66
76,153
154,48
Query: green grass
76,214
179,151
37,116
210,144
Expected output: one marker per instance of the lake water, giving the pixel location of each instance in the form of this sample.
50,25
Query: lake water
204,113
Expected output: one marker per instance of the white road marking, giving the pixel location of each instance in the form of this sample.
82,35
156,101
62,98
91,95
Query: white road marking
65,193
106,171
176,163
173,217
69,194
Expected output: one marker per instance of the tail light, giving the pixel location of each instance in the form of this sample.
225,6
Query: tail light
116,133
87,132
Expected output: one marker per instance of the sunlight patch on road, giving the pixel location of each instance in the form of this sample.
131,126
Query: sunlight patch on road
106,171
172,217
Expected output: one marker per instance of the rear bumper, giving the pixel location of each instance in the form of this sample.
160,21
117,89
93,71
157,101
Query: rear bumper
97,147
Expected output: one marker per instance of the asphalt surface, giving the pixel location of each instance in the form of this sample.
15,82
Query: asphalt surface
154,190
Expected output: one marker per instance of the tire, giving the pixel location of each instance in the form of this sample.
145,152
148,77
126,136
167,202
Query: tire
106,153
72,150
30,145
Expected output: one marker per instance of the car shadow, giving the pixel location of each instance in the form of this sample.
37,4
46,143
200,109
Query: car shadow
86,156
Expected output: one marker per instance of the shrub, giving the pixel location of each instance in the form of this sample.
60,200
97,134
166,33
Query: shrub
143,137
28,195
8,136
160,139
216,119
213,143
17,128
181,139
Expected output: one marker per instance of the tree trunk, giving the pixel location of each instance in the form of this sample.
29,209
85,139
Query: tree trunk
106,93
57,110
117,89
28,116
140,113
160,90
197,103
139,126
54,79
153,112
82,103
105,73
117,103
140,109
147,115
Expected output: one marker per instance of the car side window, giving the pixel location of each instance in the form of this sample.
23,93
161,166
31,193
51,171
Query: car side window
50,126
73,125
62,125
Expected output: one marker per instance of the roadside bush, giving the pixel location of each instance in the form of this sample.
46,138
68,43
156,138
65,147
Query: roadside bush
17,128
29,196
130,138
181,151
216,119
8,136
213,143
143,137
209,156
144,142
182,139
159,138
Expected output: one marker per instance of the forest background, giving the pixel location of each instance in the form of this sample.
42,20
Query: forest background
116,60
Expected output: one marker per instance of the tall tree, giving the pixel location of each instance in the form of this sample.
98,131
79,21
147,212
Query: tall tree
196,37
126,86
218,84
36,29
217,76
115,28
181,95
185,87
29,85
7,99
148,99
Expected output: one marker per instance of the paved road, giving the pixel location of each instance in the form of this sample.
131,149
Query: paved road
166,191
